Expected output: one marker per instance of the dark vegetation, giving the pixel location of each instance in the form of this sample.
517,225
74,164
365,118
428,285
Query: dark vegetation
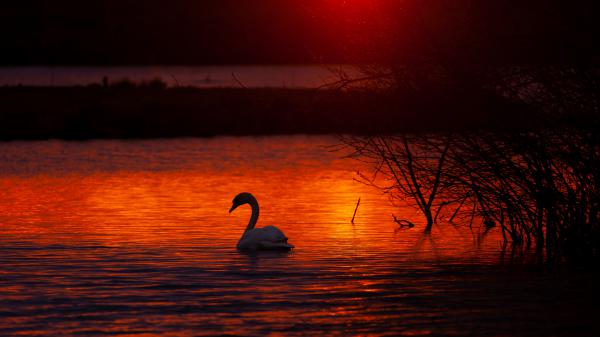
539,182
126,110
148,110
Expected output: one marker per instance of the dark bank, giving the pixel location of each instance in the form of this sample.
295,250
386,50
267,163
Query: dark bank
128,110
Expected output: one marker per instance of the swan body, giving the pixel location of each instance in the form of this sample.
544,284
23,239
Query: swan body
253,239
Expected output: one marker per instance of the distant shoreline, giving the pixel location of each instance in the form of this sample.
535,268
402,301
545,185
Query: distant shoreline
204,76
155,111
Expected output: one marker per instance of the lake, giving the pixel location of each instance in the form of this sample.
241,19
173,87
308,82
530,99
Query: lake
134,238
251,76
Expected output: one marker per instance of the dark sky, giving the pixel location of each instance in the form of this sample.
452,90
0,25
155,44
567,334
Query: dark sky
176,31
289,31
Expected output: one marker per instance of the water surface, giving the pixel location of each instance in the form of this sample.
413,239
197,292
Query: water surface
292,76
134,238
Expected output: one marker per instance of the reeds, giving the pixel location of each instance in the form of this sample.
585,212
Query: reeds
540,184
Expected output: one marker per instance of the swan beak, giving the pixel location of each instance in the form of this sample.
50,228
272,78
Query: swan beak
233,207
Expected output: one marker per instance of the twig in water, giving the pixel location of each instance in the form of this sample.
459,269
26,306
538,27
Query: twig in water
355,209
403,224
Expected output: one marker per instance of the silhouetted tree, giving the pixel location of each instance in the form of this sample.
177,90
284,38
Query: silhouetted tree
412,168
539,179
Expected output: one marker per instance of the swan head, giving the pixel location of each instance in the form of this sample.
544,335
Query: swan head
240,199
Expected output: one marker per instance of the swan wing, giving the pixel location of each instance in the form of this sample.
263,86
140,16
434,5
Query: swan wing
275,245
269,237
274,234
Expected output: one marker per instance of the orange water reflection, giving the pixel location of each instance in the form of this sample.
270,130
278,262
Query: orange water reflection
137,234
313,206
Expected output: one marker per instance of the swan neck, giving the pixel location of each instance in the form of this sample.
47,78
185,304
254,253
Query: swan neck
254,217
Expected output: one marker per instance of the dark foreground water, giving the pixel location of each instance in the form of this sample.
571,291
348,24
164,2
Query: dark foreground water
134,238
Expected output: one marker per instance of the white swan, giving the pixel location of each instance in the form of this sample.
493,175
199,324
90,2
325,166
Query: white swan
266,238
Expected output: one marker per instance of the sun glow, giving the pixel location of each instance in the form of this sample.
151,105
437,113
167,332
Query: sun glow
359,27
356,8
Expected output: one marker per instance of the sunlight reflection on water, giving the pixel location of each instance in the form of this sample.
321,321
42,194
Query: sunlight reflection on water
134,237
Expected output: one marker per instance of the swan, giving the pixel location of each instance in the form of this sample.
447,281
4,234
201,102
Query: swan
253,239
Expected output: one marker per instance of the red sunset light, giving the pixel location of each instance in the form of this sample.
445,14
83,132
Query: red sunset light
420,168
